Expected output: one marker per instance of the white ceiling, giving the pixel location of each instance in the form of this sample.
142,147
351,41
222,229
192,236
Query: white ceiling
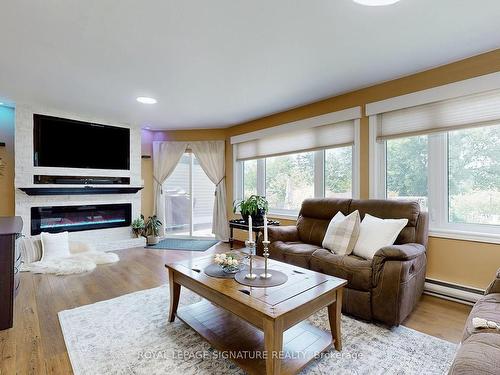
221,62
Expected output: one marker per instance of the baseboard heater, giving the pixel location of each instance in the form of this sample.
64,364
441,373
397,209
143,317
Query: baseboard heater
453,292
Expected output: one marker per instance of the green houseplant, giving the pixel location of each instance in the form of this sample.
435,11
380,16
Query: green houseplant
255,206
152,229
138,226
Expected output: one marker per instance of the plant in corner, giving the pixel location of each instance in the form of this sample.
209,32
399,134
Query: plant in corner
152,229
255,206
138,226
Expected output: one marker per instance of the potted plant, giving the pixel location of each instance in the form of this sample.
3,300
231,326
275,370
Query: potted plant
255,206
138,226
152,229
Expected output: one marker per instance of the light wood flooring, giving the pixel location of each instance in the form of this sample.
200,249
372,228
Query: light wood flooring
35,344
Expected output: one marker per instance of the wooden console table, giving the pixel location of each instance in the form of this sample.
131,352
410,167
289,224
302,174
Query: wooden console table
257,229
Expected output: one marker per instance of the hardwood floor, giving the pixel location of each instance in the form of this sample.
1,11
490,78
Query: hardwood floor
35,344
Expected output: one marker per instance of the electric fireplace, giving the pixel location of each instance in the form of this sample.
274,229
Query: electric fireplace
56,219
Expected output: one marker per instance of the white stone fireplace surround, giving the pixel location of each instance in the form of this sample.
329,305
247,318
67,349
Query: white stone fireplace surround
102,239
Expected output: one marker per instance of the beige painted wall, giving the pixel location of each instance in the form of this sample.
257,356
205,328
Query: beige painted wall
7,203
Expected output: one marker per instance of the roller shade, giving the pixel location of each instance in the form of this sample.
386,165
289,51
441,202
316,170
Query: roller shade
314,138
468,111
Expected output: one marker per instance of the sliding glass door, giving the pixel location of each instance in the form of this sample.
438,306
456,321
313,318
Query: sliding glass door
189,200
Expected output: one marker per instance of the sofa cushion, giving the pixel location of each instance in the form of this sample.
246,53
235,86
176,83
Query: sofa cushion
391,209
342,233
315,215
478,355
376,233
487,307
296,253
357,271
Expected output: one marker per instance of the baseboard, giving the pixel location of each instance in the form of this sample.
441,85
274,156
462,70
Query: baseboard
452,292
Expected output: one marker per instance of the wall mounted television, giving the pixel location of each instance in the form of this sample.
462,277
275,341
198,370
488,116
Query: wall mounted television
67,143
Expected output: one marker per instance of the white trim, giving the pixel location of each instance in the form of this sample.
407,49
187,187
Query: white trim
356,160
319,173
465,235
373,175
237,177
312,122
261,177
452,291
452,90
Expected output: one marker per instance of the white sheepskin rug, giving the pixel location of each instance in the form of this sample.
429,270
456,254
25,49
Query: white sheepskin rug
76,263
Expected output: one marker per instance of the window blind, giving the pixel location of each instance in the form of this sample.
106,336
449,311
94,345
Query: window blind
325,136
468,111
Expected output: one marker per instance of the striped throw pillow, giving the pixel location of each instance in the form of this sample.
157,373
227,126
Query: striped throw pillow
342,233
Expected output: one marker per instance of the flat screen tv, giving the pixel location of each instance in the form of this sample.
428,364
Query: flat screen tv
67,143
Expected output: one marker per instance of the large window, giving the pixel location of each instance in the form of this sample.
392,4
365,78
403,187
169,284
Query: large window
455,175
287,180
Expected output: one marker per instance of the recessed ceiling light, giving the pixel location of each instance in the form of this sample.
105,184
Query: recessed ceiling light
146,100
375,3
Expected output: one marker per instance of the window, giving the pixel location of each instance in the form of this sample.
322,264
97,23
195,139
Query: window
289,180
474,175
338,172
312,157
286,180
406,169
462,192
444,151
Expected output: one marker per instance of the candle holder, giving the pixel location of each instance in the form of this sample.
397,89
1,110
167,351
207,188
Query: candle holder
251,246
266,275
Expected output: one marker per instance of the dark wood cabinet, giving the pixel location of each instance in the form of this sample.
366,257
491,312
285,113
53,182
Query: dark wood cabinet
10,264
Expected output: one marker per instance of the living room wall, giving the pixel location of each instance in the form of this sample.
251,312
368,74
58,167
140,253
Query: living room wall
461,262
7,201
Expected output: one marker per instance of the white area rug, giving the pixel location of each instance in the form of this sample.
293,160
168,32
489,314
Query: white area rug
130,335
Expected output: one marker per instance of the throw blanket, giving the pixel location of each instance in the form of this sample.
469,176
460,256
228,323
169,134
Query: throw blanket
83,258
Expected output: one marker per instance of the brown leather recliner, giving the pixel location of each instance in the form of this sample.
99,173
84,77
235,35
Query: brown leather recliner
386,288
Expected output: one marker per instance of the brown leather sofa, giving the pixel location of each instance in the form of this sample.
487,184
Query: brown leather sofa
479,351
385,288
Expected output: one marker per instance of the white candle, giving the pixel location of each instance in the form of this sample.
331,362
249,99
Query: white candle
249,228
265,227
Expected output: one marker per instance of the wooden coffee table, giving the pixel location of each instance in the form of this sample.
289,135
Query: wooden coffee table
262,329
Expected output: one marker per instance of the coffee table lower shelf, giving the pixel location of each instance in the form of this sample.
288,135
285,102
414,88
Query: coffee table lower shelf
245,343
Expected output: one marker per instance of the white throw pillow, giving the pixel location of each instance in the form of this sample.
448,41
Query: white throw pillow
342,233
375,233
55,246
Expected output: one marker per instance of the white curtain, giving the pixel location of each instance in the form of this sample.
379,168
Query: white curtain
166,156
211,156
